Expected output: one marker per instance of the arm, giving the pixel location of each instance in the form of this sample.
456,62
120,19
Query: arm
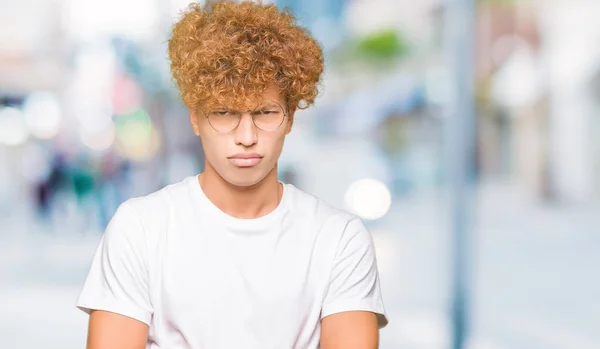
108,330
350,330
352,312
116,292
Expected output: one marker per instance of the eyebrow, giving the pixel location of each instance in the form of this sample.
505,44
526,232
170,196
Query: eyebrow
269,104
264,104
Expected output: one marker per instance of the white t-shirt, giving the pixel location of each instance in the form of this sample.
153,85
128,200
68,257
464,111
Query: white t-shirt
202,279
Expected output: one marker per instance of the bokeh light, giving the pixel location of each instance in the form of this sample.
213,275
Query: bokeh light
136,136
43,115
98,139
13,129
94,120
368,198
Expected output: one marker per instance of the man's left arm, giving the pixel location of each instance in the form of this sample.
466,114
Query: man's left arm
350,330
352,311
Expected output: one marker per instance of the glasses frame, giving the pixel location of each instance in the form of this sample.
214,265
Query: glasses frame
241,113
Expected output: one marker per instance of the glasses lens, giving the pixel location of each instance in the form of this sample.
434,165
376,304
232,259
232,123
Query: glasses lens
269,116
223,120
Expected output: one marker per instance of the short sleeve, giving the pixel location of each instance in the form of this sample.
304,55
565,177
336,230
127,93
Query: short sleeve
354,282
118,278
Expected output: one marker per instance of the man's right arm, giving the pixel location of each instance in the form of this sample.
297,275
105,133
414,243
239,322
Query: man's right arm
114,331
116,293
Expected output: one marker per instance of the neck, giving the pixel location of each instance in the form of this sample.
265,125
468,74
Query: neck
241,202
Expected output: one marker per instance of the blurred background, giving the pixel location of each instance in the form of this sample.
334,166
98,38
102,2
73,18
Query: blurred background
89,118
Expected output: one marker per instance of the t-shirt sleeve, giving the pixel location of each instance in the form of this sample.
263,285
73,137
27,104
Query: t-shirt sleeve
354,282
118,278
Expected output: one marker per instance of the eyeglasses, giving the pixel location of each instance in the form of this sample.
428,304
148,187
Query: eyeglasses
267,117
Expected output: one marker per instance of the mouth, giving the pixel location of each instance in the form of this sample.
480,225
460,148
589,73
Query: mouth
245,160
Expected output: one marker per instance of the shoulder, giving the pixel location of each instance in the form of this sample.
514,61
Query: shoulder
152,212
315,209
156,204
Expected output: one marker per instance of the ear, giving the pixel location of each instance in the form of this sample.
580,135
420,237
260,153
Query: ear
290,121
195,122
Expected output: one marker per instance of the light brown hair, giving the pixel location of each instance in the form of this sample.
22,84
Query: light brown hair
229,53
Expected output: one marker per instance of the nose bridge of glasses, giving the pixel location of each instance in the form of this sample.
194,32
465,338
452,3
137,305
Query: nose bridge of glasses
240,117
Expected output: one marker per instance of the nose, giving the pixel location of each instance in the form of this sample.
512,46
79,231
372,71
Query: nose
246,133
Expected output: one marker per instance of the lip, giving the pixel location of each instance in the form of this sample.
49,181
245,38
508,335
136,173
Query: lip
245,160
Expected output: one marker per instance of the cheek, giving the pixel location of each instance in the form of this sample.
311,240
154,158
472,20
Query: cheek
275,144
213,146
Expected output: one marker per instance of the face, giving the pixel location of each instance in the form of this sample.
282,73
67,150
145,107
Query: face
245,155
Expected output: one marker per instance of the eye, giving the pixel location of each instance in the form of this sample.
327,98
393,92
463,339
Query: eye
220,112
269,111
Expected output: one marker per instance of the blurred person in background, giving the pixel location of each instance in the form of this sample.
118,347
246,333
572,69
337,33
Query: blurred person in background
47,187
233,257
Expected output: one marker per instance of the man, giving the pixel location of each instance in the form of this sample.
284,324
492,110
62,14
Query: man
234,258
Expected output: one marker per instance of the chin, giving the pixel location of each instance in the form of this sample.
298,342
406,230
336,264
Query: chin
245,177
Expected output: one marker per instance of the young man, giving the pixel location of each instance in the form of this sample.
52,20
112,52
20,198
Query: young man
234,258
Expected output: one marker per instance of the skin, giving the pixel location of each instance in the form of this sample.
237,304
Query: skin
108,330
242,193
350,330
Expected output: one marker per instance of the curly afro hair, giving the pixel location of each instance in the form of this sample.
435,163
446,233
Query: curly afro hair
230,53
